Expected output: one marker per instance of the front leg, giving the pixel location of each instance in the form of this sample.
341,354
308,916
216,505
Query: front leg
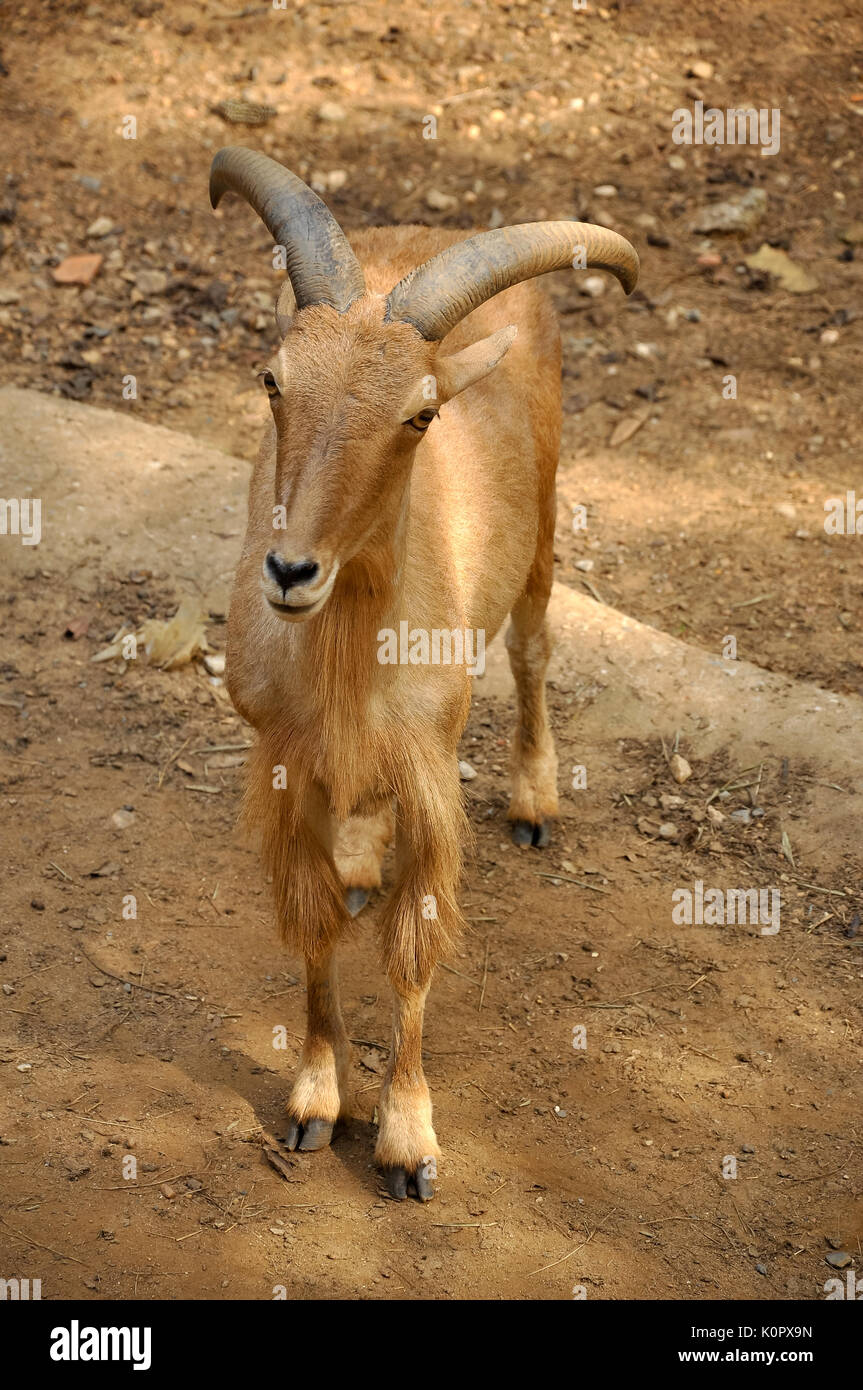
319,1094
421,924
297,844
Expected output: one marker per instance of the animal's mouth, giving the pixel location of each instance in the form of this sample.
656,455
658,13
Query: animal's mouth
294,610
306,606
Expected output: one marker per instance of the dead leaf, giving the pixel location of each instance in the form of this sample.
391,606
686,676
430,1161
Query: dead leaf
279,1157
167,644
790,275
175,643
628,426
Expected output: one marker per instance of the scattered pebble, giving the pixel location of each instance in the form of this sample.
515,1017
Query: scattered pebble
331,111
679,768
838,1259
440,202
151,282
594,285
736,215
466,772
101,227
77,270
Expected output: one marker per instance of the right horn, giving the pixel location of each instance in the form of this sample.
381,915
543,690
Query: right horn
321,266
439,294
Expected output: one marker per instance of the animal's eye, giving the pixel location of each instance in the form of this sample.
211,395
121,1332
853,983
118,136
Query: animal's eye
421,422
270,384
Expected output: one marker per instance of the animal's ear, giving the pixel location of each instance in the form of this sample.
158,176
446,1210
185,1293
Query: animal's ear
286,307
462,369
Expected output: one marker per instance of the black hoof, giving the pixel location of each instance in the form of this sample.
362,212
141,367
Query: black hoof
309,1136
526,832
356,899
401,1184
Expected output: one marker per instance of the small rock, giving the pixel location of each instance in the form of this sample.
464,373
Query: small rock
646,826
440,202
701,68
101,227
735,215
605,190
787,509
331,111
838,1259
743,815
9,296
466,772
584,565
761,1269
671,803
679,768
122,819
77,270
715,816
668,830
593,285
829,337
215,663
151,282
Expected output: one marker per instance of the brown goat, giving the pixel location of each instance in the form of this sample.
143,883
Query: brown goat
368,510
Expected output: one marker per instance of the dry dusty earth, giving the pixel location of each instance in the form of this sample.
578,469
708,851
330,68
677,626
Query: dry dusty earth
152,1036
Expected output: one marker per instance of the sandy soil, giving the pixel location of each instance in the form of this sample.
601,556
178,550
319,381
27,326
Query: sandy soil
153,1036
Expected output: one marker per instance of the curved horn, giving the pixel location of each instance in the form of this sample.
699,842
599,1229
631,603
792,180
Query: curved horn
437,295
321,266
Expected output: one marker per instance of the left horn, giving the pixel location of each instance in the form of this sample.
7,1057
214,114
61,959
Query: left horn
438,295
321,266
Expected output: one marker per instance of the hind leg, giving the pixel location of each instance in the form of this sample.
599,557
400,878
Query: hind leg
529,644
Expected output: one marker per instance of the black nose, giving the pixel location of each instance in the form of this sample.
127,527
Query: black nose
287,575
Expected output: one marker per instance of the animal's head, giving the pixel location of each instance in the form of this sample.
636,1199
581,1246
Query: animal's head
358,378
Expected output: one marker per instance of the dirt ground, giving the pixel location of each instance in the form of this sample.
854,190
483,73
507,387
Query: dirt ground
600,1169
